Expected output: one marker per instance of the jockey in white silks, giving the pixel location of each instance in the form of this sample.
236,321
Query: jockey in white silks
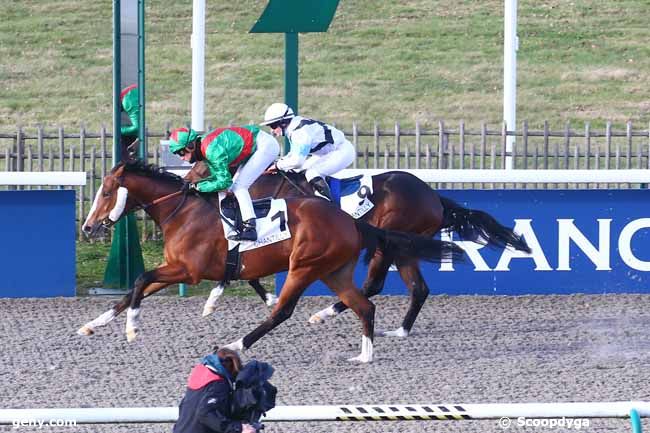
317,148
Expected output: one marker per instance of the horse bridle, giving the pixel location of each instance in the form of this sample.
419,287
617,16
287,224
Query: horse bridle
108,223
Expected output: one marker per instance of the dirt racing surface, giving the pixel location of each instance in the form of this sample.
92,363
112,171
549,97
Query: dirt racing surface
463,350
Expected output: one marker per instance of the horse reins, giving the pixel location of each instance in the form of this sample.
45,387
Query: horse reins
164,198
292,183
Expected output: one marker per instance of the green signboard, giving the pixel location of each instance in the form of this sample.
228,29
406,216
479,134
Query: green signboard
296,16
292,17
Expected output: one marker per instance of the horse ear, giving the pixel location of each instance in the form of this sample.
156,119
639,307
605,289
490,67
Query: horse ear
119,169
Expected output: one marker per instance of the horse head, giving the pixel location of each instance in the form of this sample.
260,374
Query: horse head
129,185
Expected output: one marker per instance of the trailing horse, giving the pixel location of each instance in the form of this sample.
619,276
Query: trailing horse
401,202
325,244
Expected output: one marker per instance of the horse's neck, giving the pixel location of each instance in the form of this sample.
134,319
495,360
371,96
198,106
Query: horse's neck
148,193
280,186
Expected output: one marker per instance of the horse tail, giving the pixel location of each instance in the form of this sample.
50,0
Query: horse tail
407,245
478,226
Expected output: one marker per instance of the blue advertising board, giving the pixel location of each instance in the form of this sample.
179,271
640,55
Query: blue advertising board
37,257
583,241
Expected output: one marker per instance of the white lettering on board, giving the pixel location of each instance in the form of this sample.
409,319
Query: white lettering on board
567,232
625,244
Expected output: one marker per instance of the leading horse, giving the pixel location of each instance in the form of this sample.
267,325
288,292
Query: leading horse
402,202
325,244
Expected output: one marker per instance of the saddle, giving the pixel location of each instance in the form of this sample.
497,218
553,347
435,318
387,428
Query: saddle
342,187
230,208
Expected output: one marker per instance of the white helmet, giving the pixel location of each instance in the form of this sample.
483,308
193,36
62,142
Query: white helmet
276,113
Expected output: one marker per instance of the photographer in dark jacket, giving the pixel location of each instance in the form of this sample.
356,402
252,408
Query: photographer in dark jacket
206,407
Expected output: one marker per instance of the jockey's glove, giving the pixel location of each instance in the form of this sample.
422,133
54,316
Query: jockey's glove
189,186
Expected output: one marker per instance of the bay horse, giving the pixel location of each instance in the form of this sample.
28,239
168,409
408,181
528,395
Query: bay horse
325,244
402,202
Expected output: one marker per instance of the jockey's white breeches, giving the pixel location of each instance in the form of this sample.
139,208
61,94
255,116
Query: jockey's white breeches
329,163
266,152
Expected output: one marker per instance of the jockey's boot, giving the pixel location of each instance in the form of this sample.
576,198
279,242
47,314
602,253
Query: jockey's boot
247,232
322,188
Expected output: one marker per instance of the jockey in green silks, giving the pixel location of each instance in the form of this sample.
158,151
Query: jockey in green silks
246,150
131,105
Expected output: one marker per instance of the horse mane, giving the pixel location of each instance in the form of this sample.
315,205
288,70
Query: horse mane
148,170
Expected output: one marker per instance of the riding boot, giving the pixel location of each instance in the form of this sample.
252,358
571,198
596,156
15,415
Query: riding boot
247,231
322,188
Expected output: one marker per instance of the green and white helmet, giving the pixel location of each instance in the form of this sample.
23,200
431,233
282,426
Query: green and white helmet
180,138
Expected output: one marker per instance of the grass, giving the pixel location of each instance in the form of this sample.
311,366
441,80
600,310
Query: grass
408,61
91,265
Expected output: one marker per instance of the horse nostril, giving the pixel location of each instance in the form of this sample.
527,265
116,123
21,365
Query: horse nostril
85,229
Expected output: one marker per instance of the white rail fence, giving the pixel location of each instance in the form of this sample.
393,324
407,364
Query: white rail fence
443,178
380,412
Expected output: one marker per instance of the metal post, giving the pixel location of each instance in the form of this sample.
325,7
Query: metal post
635,419
290,75
117,81
510,45
198,65
142,132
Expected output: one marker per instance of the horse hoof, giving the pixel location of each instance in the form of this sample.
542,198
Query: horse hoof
323,314
207,311
362,359
399,333
316,318
131,334
85,331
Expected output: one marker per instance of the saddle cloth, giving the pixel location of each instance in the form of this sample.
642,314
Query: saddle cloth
353,194
271,222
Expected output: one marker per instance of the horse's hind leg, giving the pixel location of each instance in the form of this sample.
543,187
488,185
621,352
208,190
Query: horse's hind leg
269,298
295,284
374,283
211,303
342,282
410,273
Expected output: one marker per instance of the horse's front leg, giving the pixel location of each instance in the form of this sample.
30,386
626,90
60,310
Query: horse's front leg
147,284
107,317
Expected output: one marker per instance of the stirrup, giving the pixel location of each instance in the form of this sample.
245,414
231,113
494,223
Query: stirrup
247,232
321,188
245,235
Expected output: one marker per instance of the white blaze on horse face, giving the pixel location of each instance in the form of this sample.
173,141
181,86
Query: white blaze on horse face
120,203
94,207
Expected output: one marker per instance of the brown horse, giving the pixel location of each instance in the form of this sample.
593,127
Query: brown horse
405,203
325,244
